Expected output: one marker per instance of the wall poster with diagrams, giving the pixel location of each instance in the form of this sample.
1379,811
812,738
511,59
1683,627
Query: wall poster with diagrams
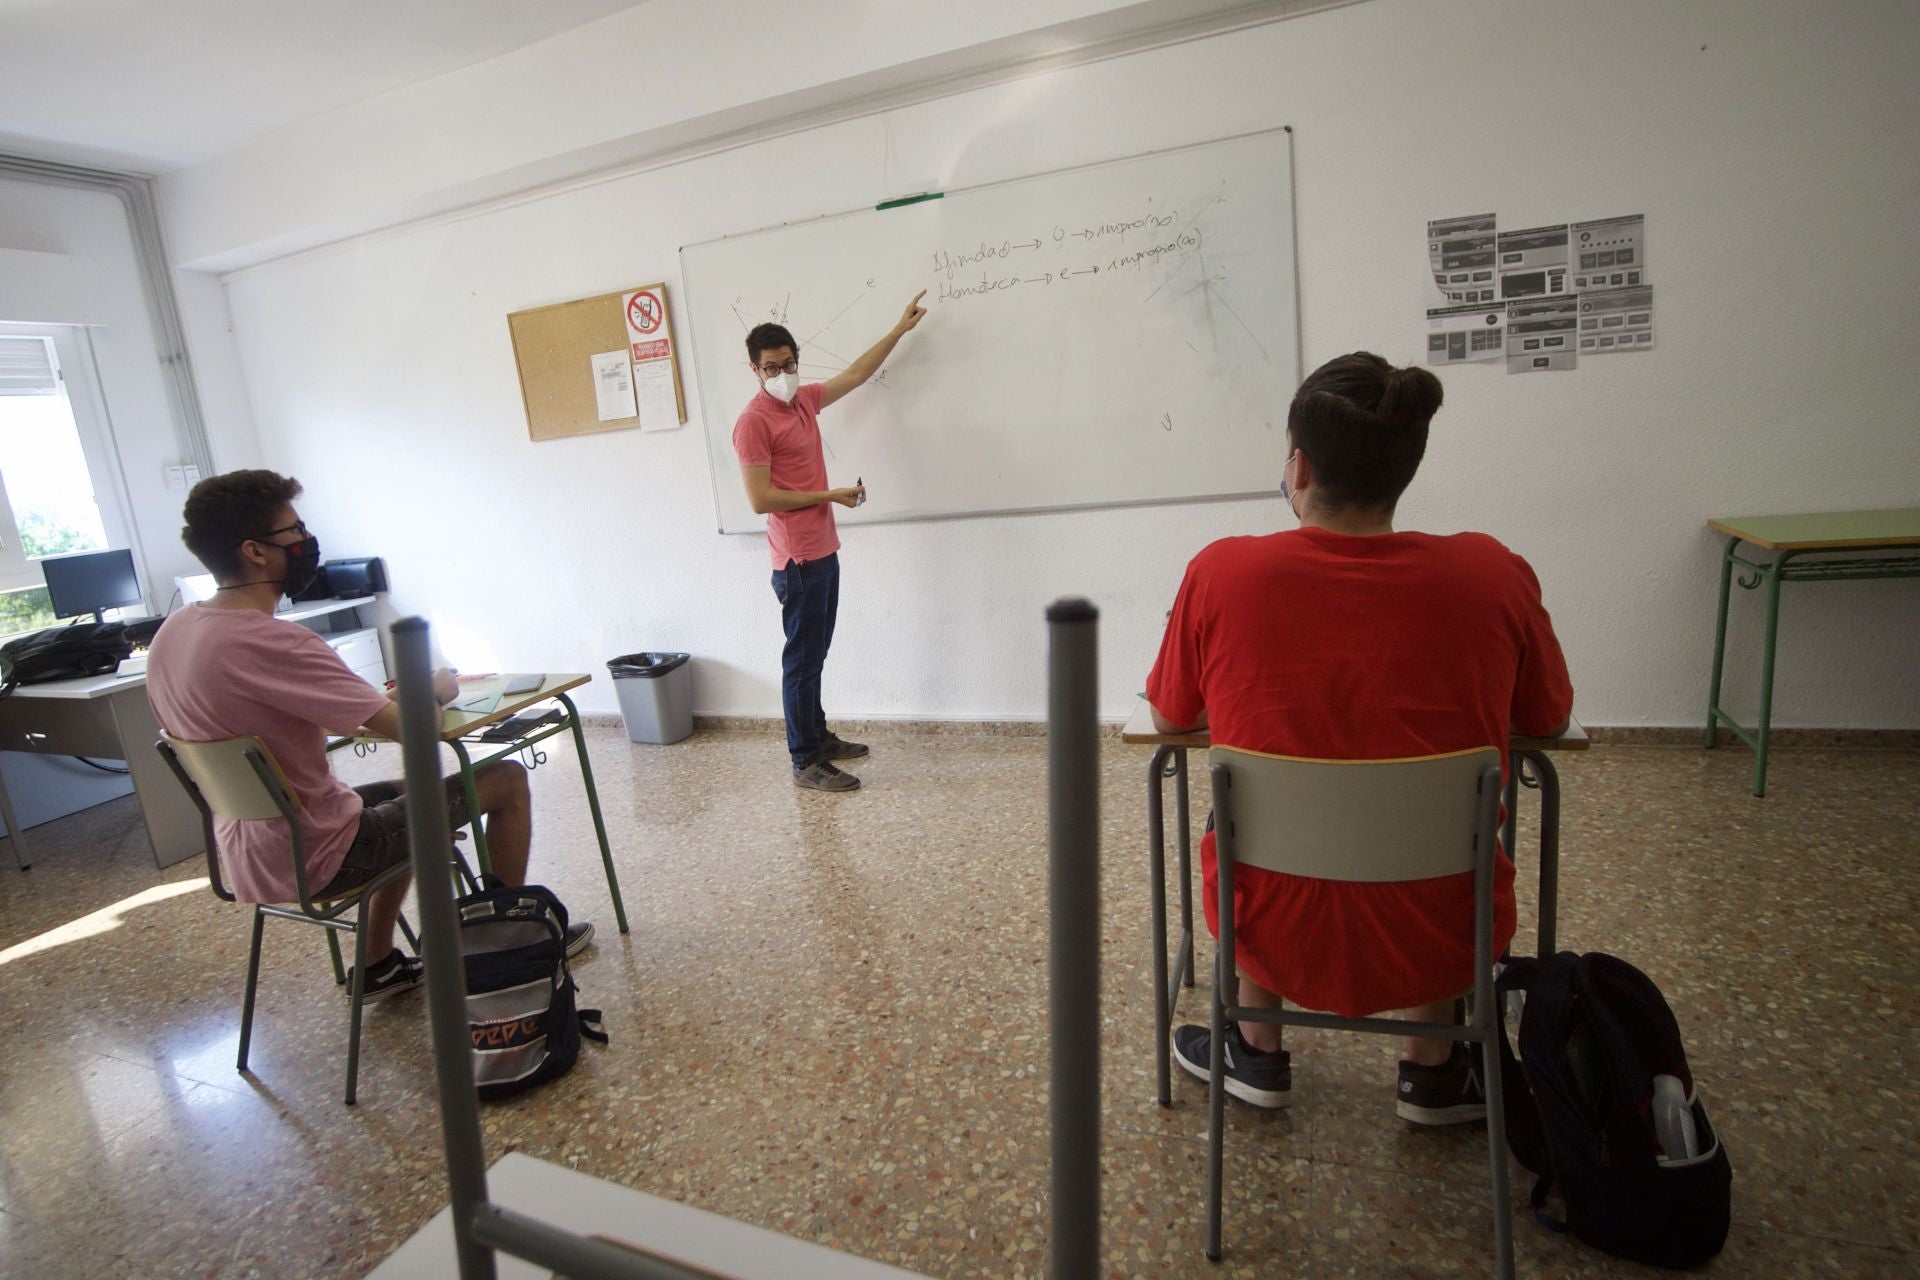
1539,298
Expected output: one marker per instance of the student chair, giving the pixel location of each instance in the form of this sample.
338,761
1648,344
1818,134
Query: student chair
1368,821
239,779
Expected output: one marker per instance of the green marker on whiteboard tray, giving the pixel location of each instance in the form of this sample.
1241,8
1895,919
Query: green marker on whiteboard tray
916,198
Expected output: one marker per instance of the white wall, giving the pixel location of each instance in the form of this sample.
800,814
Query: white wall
92,225
631,85
1766,140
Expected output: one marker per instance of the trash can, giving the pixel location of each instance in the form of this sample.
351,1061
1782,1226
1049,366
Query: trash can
656,695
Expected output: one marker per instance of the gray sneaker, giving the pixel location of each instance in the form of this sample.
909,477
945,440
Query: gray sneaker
820,775
835,747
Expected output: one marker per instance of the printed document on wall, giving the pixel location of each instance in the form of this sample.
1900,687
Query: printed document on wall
1460,253
659,409
1456,334
613,385
1540,334
1613,320
1533,262
1610,253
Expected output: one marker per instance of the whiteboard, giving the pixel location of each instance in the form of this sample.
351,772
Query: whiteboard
1113,334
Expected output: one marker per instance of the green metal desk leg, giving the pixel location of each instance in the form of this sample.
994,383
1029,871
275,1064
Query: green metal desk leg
1773,576
473,807
1719,645
593,804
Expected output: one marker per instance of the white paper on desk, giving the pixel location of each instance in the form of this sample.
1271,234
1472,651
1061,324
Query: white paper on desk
659,407
1610,253
1460,253
1540,334
1614,320
613,385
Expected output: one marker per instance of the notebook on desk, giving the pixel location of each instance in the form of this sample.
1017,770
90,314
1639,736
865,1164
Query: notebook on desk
526,682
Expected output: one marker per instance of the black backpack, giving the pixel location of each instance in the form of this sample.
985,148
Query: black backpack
520,1007
1599,1091
63,653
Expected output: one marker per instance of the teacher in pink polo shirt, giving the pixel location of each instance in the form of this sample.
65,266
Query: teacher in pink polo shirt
778,442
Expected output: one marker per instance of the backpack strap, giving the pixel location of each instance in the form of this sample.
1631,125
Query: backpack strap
591,1025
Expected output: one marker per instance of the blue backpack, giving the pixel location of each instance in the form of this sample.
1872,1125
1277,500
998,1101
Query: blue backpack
521,1014
1601,1104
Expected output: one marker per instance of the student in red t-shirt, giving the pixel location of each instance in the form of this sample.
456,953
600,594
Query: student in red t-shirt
1346,640
777,440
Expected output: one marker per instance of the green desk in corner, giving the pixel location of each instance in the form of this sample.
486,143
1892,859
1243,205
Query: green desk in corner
1829,546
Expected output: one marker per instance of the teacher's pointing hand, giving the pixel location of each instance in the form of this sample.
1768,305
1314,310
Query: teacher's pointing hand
911,316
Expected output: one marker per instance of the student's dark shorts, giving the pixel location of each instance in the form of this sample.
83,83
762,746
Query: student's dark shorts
381,841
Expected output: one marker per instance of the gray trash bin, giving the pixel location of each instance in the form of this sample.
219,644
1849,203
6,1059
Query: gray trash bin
656,695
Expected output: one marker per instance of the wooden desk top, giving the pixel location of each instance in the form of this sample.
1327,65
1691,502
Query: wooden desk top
457,724
1139,729
1826,530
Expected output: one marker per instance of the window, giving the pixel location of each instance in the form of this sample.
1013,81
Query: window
56,472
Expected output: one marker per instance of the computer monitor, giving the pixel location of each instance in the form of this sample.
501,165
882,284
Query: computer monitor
90,582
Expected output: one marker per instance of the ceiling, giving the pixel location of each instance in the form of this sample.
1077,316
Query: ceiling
152,85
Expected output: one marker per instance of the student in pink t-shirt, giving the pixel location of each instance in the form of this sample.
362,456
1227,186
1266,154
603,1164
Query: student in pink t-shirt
778,442
228,668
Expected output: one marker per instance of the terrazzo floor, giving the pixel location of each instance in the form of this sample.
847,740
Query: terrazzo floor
828,1020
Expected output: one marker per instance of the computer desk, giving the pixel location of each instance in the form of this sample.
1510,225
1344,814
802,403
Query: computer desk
1529,756
459,729
106,717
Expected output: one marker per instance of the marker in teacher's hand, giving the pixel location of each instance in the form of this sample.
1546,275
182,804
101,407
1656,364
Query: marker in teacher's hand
861,484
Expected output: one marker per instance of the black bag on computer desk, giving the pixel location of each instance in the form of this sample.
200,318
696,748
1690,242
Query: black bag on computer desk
63,653
520,1007
1601,1104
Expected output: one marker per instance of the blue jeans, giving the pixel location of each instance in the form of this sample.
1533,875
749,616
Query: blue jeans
809,596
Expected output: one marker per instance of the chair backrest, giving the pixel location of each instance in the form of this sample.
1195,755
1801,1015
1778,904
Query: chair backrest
237,778
1361,820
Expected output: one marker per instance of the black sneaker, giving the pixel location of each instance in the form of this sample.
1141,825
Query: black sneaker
398,972
579,934
818,774
1452,1094
835,747
1261,1079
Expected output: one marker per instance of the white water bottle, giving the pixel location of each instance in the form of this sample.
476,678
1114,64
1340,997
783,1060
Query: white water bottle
1673,1119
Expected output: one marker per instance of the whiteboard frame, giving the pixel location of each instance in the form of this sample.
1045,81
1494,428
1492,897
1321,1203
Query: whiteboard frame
1293,216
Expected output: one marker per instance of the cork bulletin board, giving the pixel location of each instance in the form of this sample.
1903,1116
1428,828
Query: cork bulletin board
553,347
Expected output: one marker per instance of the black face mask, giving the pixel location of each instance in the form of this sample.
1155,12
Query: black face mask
303,565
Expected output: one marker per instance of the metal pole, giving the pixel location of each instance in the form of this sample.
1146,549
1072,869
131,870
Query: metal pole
1073,822
575,1256
430,841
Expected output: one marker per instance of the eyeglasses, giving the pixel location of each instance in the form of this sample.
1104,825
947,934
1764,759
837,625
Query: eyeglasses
775,370
298,526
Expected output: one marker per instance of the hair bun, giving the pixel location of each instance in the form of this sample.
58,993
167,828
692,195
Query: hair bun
1411,396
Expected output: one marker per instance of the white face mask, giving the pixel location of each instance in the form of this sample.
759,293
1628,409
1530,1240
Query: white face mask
783,387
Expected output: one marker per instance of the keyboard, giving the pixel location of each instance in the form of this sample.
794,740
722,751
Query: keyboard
521,725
